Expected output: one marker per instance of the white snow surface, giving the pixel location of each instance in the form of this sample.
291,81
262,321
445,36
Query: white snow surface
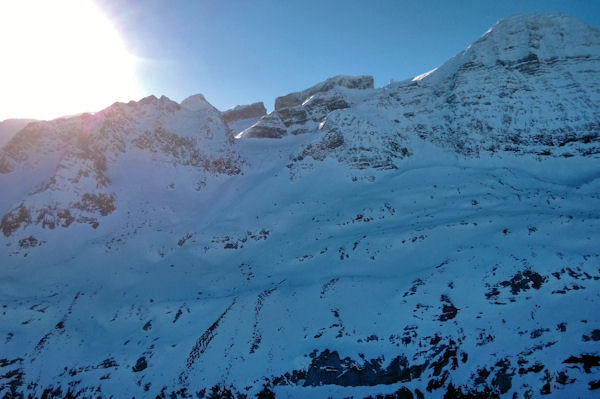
452,222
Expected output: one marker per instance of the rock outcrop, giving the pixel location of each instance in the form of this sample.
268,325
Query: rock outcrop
305,111
242,112
349,82
242,117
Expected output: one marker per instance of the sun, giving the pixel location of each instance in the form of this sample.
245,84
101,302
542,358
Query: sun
60,57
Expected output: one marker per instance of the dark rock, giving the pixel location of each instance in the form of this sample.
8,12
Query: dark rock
269,126
12,220
350,82
399,370
538,332
402,393
252,111
326,103
482,375
546,388
448,357
594,336
293,116
437,383
104,204
457,393
588,361
563,379
503,378
327,368
266,393
324,369
449,311
522,281
28,242
140,365
219,392
536,368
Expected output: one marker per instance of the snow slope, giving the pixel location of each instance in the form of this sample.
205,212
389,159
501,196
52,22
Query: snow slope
436,237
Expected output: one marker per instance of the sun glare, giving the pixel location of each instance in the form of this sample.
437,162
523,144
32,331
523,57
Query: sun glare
60,57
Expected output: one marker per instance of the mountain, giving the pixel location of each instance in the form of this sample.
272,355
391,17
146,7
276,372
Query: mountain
9,127
241,117
436,237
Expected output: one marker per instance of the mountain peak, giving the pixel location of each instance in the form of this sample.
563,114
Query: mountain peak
545,34
195,102
522,37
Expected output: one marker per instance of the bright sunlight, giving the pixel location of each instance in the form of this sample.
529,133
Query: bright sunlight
60,57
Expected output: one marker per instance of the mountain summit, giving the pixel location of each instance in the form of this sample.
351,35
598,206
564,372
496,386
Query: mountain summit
523,38
433,237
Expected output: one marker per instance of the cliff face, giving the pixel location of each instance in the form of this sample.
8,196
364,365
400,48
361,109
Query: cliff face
243,116
305,111
252,111
434,237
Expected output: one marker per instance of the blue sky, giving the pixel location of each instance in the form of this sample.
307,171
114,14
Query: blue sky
238,51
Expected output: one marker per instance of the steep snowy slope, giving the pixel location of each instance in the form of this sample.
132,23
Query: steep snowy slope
433,238
74,160
530,85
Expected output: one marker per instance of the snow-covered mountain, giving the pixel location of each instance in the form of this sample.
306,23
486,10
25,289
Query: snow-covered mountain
9,127
437,237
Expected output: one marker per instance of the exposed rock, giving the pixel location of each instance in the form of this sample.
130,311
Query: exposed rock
103,204
503,378
256,110
14,219
449,311
457,393
28,242
588,361
594,336
402,393
305,111
327,368
350,82
140,365
269,126
521,281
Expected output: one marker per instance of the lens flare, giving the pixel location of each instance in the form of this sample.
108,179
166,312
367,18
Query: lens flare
61,57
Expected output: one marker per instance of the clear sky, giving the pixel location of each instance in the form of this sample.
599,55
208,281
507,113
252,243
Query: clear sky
242,51
237,52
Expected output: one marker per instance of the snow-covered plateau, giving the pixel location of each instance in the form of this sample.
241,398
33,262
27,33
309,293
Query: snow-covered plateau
434,238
